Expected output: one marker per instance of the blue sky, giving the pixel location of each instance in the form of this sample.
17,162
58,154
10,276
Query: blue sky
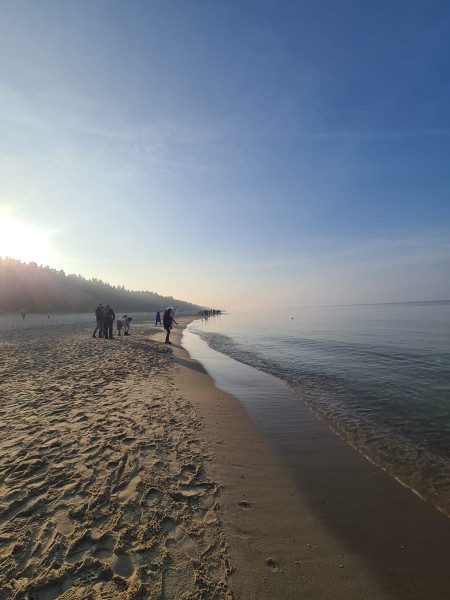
230,153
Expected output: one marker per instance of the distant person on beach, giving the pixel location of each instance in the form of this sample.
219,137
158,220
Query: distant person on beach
168,321
126,322
23,313
99,318
108,319
158,318
119,324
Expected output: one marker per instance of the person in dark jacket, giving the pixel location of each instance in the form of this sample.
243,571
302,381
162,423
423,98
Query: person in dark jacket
168,321
99,317
108,319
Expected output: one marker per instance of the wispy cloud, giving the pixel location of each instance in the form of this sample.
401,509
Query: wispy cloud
81,134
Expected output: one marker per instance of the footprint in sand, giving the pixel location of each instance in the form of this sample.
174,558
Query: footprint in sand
63,523
121,564
86,545
104,546
181,540
187,473
153,496
244,505
132,491
168,524
272,564
92,573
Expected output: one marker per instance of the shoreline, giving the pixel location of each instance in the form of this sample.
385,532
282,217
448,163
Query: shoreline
288,493
125,472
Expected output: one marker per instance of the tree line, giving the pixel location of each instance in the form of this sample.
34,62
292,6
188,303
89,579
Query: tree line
38,289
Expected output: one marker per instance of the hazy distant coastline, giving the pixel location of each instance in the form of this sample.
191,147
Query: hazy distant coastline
41,290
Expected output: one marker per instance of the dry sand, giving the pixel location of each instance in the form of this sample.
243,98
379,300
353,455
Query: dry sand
125,473
103,490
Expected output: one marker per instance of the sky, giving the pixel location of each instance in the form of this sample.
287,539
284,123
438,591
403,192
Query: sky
234,154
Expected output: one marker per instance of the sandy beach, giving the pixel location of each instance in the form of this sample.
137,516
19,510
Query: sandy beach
105,491
125,473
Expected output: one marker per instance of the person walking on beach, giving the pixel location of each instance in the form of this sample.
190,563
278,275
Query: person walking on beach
99,318
158,318
108,319
168,321
23,313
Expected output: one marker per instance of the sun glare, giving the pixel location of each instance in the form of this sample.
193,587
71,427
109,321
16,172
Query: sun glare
23,242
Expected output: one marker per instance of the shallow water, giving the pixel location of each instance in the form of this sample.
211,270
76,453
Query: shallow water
378,374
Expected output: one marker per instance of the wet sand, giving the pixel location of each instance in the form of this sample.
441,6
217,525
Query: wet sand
305,515
125,473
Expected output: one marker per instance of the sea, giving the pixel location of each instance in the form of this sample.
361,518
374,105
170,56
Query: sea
378,375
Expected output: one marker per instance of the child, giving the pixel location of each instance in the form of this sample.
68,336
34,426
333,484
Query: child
126,323
119,326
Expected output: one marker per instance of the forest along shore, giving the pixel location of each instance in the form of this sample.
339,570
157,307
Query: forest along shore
104,486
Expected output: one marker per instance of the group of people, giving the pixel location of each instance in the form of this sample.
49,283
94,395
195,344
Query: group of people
105,317
124,323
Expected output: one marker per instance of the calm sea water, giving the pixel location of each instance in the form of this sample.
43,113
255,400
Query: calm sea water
378,374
